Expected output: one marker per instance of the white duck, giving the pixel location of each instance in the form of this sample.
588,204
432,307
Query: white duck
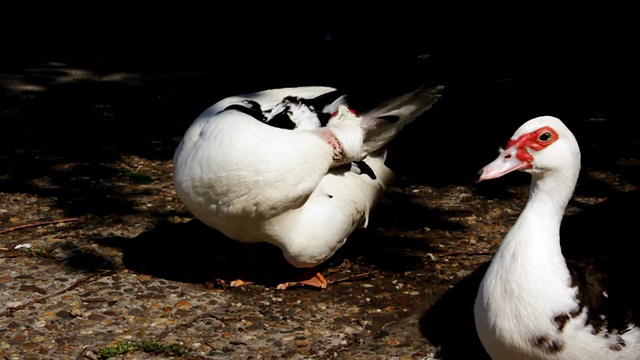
294,167
532,303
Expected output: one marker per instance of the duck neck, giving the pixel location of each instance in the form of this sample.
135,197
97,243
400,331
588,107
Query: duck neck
551,192
531,253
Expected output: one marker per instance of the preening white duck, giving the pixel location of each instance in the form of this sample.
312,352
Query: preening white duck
535,301
294,167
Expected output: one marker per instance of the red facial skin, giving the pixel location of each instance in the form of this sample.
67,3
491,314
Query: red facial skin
536,140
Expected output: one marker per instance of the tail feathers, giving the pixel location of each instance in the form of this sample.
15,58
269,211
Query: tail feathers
384,122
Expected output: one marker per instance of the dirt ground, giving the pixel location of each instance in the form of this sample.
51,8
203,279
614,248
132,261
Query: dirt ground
99,258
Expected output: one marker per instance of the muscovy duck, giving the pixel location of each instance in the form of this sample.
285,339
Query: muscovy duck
294,167
538,300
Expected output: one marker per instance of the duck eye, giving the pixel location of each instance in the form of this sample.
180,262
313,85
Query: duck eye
545,136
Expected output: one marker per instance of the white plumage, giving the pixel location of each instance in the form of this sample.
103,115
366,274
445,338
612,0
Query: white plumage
284,166
531,304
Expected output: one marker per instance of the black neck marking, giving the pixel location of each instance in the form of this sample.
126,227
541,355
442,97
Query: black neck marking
362,168
282,121
249,107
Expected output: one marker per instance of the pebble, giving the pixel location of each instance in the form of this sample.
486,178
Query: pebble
183,305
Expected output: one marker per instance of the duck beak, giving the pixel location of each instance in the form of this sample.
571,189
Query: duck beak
505,163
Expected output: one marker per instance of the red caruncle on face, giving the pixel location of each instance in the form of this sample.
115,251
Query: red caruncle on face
536,140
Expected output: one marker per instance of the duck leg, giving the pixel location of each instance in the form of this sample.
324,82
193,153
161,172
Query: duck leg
247,271
253,269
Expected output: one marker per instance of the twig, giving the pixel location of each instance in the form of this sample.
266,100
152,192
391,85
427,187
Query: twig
40,223
385,325
468,253
11,310
352,277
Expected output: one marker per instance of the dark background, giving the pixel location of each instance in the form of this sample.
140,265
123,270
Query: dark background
500,67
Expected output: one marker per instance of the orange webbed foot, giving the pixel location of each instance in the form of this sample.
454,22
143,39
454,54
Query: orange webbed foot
316,281
239,282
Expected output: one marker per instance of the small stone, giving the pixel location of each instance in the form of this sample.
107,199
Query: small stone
159,321
96,317
183,305
380,334
143,278
90,355
24,277
30,345
14,325
65,314
40,323
393,342
75,312
13,304
18,339
135,312
32,288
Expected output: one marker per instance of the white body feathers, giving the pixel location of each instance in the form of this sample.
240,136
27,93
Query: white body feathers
526,307
291,188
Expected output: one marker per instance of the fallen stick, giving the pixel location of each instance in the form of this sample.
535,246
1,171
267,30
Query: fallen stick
353,277
40,223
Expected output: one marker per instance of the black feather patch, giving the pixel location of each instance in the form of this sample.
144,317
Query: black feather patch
282,121
316,106
548,344
248,107
319,102
361,167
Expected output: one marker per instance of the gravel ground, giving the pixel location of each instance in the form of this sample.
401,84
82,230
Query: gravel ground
99,258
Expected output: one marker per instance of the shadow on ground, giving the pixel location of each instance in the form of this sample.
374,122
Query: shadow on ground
449,323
